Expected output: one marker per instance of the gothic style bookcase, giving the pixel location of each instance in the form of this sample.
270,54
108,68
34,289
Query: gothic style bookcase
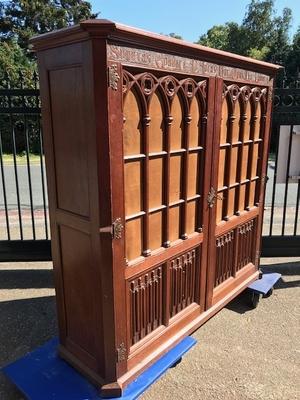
156,153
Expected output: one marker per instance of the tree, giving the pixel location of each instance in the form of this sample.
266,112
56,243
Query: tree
175,36
22,19
293,58
216,37
262,34
258,23
12,61
280,43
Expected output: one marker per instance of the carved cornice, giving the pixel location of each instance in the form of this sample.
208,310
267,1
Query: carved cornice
172,63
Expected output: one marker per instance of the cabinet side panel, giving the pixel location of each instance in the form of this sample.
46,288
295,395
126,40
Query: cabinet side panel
77,270
70,142
69,139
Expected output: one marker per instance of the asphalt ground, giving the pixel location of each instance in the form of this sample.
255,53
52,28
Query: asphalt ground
241,354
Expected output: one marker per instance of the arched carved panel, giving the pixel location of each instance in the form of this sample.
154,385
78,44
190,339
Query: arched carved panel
164,151
133,173
195,124
243,111
156,137
176,134
132,133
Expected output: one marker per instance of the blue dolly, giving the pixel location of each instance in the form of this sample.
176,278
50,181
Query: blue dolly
262,287
42,375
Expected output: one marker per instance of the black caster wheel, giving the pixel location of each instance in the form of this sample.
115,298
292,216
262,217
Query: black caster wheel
176,363
254,299
270,292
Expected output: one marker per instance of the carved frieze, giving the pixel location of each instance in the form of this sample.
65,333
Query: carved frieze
185,65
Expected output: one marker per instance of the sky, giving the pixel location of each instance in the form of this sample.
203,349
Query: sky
188,18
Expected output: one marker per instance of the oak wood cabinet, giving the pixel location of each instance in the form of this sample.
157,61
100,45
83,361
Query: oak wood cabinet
156,153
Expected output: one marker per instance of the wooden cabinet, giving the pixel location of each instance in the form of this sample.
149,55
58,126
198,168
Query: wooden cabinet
156,155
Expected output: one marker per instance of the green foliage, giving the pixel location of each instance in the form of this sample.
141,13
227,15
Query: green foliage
175,36
259,54
293,59
216,37
12,61
262,35
22,19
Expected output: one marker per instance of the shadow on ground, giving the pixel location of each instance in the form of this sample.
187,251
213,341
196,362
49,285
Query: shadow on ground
26,279
241,303
25,325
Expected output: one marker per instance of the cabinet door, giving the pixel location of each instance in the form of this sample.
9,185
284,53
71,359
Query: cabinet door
237,190
166,151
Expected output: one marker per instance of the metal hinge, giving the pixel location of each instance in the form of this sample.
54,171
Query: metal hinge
115,229
212,196
113,77
121,352
265,178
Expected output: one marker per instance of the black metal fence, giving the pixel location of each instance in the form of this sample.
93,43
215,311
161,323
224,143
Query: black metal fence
24,224
281,230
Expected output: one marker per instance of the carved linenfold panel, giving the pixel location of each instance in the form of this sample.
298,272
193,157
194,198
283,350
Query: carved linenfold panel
146,304
235,250
183,270
224,257
172,63
246,244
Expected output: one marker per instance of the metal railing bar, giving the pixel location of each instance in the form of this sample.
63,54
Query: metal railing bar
4,189
20,110
297,209
287,179
42,176
13,137
277,132
29,177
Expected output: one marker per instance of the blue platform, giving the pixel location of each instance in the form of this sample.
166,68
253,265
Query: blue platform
42,375
264,284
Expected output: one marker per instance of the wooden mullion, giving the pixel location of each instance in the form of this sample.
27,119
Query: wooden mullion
134,157
231,119
176,203
192,198
156,209
239,161
259,161
134,216
185,175
146,123
177,152
157,154
250,157
166,193
201,168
